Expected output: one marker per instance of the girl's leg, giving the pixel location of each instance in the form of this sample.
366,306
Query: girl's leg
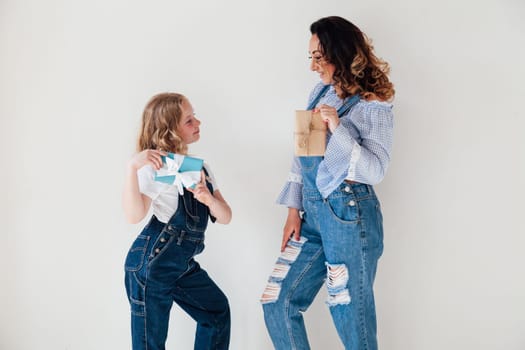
150,310
293,285
150,302
154,265
197,294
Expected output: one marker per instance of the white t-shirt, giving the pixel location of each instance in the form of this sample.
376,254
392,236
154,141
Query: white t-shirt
164,197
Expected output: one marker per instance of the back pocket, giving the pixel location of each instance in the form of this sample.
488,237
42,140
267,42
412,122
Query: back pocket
137,253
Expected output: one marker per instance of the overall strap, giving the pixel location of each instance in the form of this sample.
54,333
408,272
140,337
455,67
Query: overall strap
315,101
349,103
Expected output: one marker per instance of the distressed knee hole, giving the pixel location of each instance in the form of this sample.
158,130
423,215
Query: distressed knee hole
280,270
271,292
336,282
292,250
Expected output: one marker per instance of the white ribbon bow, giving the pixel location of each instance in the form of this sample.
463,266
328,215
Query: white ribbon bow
186,179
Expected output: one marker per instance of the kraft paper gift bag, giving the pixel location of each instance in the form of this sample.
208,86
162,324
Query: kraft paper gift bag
310,134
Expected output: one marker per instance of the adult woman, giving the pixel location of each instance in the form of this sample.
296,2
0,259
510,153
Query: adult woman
339,237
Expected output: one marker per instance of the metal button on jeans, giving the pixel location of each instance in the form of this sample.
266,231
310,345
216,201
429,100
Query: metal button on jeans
162,240
157,250
347,189
351,203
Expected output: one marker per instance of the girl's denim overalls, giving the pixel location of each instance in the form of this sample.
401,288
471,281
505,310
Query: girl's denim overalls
160,270
341,242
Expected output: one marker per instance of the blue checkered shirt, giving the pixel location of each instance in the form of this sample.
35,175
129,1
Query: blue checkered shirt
358,150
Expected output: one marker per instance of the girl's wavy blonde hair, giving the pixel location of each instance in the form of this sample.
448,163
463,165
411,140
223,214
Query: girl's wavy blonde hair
160,120
357,69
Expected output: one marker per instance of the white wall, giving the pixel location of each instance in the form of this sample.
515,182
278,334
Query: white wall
75,76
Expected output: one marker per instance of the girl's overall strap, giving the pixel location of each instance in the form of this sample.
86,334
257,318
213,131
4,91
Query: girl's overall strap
349,103
315,101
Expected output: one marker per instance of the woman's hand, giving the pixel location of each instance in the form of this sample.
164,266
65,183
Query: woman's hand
291,227
147,157
329,116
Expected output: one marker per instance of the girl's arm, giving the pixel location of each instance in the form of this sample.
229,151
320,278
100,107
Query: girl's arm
136,205
220,209
215,202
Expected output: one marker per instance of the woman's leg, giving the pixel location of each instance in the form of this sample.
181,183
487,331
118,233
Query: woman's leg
295,281
353,243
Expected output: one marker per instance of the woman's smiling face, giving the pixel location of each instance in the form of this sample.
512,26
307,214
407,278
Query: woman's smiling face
319,64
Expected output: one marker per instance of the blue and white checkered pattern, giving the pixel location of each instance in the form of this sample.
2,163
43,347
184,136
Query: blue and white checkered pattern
358,150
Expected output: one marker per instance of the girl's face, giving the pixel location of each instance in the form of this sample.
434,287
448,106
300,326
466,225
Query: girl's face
326,70
188,128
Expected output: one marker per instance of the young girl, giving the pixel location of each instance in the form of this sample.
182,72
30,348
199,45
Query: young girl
339,238
160,268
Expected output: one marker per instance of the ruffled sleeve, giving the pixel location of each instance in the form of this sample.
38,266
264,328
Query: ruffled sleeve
292,193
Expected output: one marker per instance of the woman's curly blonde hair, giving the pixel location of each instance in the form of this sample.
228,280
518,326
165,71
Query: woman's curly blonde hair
160,120
357,69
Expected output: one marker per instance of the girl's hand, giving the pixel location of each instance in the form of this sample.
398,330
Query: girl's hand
135,203
201,191
147,157
329,116
215,202
291,227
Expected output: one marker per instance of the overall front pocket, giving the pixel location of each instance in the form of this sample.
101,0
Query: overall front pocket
137,253
344,208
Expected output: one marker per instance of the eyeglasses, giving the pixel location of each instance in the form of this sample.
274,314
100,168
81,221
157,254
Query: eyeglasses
318,59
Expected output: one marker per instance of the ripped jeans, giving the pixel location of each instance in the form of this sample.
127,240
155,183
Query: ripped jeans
341,242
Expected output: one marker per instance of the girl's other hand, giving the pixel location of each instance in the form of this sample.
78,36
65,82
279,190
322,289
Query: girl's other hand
147,157
201,191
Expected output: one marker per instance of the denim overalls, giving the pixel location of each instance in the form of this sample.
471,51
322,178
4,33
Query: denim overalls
341,242
160,270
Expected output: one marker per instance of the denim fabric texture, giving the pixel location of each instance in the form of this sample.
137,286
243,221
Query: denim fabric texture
341,243
160,269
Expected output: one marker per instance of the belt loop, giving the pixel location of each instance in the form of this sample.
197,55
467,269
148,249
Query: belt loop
181,237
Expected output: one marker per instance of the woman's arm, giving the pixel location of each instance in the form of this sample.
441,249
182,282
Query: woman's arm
291,227
364,159
291,194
